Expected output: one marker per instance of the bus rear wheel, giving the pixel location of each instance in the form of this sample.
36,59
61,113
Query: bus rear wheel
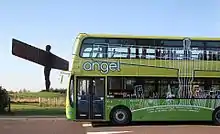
216,116
120,116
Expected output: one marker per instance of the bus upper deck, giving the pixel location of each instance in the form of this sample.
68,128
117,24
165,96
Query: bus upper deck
147,55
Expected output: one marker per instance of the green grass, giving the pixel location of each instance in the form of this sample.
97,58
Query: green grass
37,94
34,110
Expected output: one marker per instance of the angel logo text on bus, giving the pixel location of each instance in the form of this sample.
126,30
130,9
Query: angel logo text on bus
103,67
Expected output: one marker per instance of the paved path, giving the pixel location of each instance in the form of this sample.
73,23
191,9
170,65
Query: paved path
61,125
149,129
40,126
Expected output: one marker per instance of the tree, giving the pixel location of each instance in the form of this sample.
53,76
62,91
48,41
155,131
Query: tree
4,100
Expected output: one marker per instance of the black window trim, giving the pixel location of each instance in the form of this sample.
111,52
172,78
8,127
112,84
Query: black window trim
163,39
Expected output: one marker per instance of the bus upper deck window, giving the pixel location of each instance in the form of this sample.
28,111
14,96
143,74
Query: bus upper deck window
144,53
137,53
113,53
210,55
205,55
129,52
98,52
157,53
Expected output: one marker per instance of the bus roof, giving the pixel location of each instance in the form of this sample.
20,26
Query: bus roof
83,35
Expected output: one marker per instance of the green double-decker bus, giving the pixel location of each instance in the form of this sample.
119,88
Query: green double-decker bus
121,78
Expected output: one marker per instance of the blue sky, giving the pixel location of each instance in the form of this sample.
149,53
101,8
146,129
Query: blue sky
57,23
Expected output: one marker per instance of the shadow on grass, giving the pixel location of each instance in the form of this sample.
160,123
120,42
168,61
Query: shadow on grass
154,123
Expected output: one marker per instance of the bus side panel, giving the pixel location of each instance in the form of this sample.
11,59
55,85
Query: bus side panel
167,109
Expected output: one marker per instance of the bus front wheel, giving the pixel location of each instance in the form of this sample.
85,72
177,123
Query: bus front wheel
216,116
120,116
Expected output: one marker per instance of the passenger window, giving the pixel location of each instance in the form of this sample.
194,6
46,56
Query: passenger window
161,49
94,51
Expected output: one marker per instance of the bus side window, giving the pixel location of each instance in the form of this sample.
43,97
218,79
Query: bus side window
137,53
113,53
200,56
98,52
204,55
214,56
144,53
91,53
218,56
157,53
210,55
129,53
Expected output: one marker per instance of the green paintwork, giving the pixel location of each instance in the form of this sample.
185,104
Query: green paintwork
166,110
161,109
70,113
155,68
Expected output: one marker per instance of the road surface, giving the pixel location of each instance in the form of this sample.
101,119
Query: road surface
62,126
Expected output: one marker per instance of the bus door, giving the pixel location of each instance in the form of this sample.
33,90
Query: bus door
90,98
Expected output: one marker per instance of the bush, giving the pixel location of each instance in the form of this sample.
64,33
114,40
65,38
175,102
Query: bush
4,100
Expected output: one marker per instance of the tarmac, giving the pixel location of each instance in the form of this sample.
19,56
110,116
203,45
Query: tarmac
59,125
